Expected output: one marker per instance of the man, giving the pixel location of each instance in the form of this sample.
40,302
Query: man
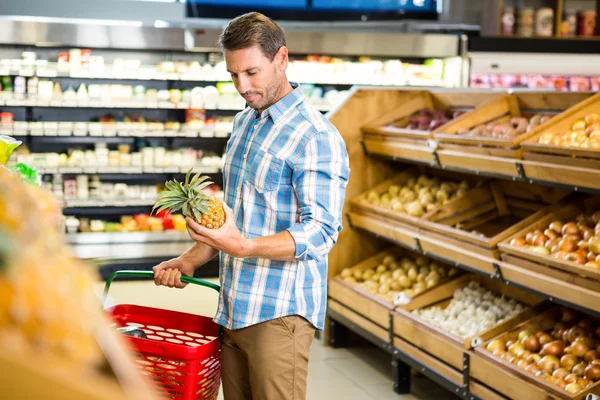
285,176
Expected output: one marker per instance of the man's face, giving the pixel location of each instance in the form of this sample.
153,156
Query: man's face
258,79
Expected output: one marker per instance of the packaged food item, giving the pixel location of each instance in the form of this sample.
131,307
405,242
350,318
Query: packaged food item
544,21
508,21
525,22
586,25
7,146
568,26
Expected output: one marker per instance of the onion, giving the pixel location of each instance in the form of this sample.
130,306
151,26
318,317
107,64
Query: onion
573,388
592,372
555,348
548,364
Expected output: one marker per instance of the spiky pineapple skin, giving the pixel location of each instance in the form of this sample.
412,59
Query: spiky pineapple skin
188,197
215,217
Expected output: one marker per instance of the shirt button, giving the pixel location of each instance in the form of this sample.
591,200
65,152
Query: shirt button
245,156
239,188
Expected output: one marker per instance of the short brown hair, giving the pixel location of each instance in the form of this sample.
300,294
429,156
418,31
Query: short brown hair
253,29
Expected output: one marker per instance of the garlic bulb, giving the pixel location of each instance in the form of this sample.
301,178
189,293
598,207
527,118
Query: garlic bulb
473,310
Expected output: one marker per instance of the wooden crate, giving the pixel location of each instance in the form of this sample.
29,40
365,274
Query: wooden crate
420,99
359,204
563,213
497,210
443,345
561,124
361,301
501,110
368,304
542,322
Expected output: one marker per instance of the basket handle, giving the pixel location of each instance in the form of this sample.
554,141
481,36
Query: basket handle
150,274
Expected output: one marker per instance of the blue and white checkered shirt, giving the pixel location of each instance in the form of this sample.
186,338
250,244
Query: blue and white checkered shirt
286,169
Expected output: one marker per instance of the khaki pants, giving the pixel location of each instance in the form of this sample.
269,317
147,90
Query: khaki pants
267,361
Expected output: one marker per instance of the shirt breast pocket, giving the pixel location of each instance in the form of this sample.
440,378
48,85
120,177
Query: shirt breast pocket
265,173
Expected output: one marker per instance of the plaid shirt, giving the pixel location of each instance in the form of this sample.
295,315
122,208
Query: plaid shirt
286,169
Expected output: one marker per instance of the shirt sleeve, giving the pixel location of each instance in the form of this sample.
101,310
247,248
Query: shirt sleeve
320,176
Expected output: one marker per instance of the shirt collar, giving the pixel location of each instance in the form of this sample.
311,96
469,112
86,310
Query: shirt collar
286,104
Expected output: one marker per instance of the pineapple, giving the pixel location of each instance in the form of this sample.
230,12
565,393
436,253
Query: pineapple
47,301
200,206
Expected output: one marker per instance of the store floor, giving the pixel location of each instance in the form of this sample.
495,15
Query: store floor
357,373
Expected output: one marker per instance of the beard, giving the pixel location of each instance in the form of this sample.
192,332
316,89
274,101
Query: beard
269,97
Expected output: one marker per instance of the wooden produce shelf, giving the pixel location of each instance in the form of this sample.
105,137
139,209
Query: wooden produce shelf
544,322
551,286
403,235
468,161
399,149
489,215
557,285
432,363
564,213
569,156
362,203
386,136
360,301
443,345
450,378
502,111
505,382
568,171
360,324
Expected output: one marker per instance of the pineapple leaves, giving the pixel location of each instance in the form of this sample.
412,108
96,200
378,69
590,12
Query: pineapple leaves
197,215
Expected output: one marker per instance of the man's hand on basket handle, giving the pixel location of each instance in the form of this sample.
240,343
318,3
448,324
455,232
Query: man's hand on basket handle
169,273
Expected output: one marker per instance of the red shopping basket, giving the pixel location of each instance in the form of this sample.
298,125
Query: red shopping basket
181,354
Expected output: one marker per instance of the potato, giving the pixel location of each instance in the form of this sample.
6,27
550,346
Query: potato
394,190
412,273
405,282
411,182
431,207
441,196
372,196
350,280
375,278
388,260
346,272
432,283
445,187
357,274
421,277
398,273
394,266
396,286
368,274
384,289
422,261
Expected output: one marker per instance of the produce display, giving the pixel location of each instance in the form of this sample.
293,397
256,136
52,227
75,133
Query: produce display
566,355
164,221
47,300
397,280
426,119
472,310
418,195
191,198
584,133
576,241
506,130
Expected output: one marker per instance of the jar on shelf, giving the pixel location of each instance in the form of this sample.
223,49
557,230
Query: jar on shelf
544,21
525,22
586,24
568,26
508,21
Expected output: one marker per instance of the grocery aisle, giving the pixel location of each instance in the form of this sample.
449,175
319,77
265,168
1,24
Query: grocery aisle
357,373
